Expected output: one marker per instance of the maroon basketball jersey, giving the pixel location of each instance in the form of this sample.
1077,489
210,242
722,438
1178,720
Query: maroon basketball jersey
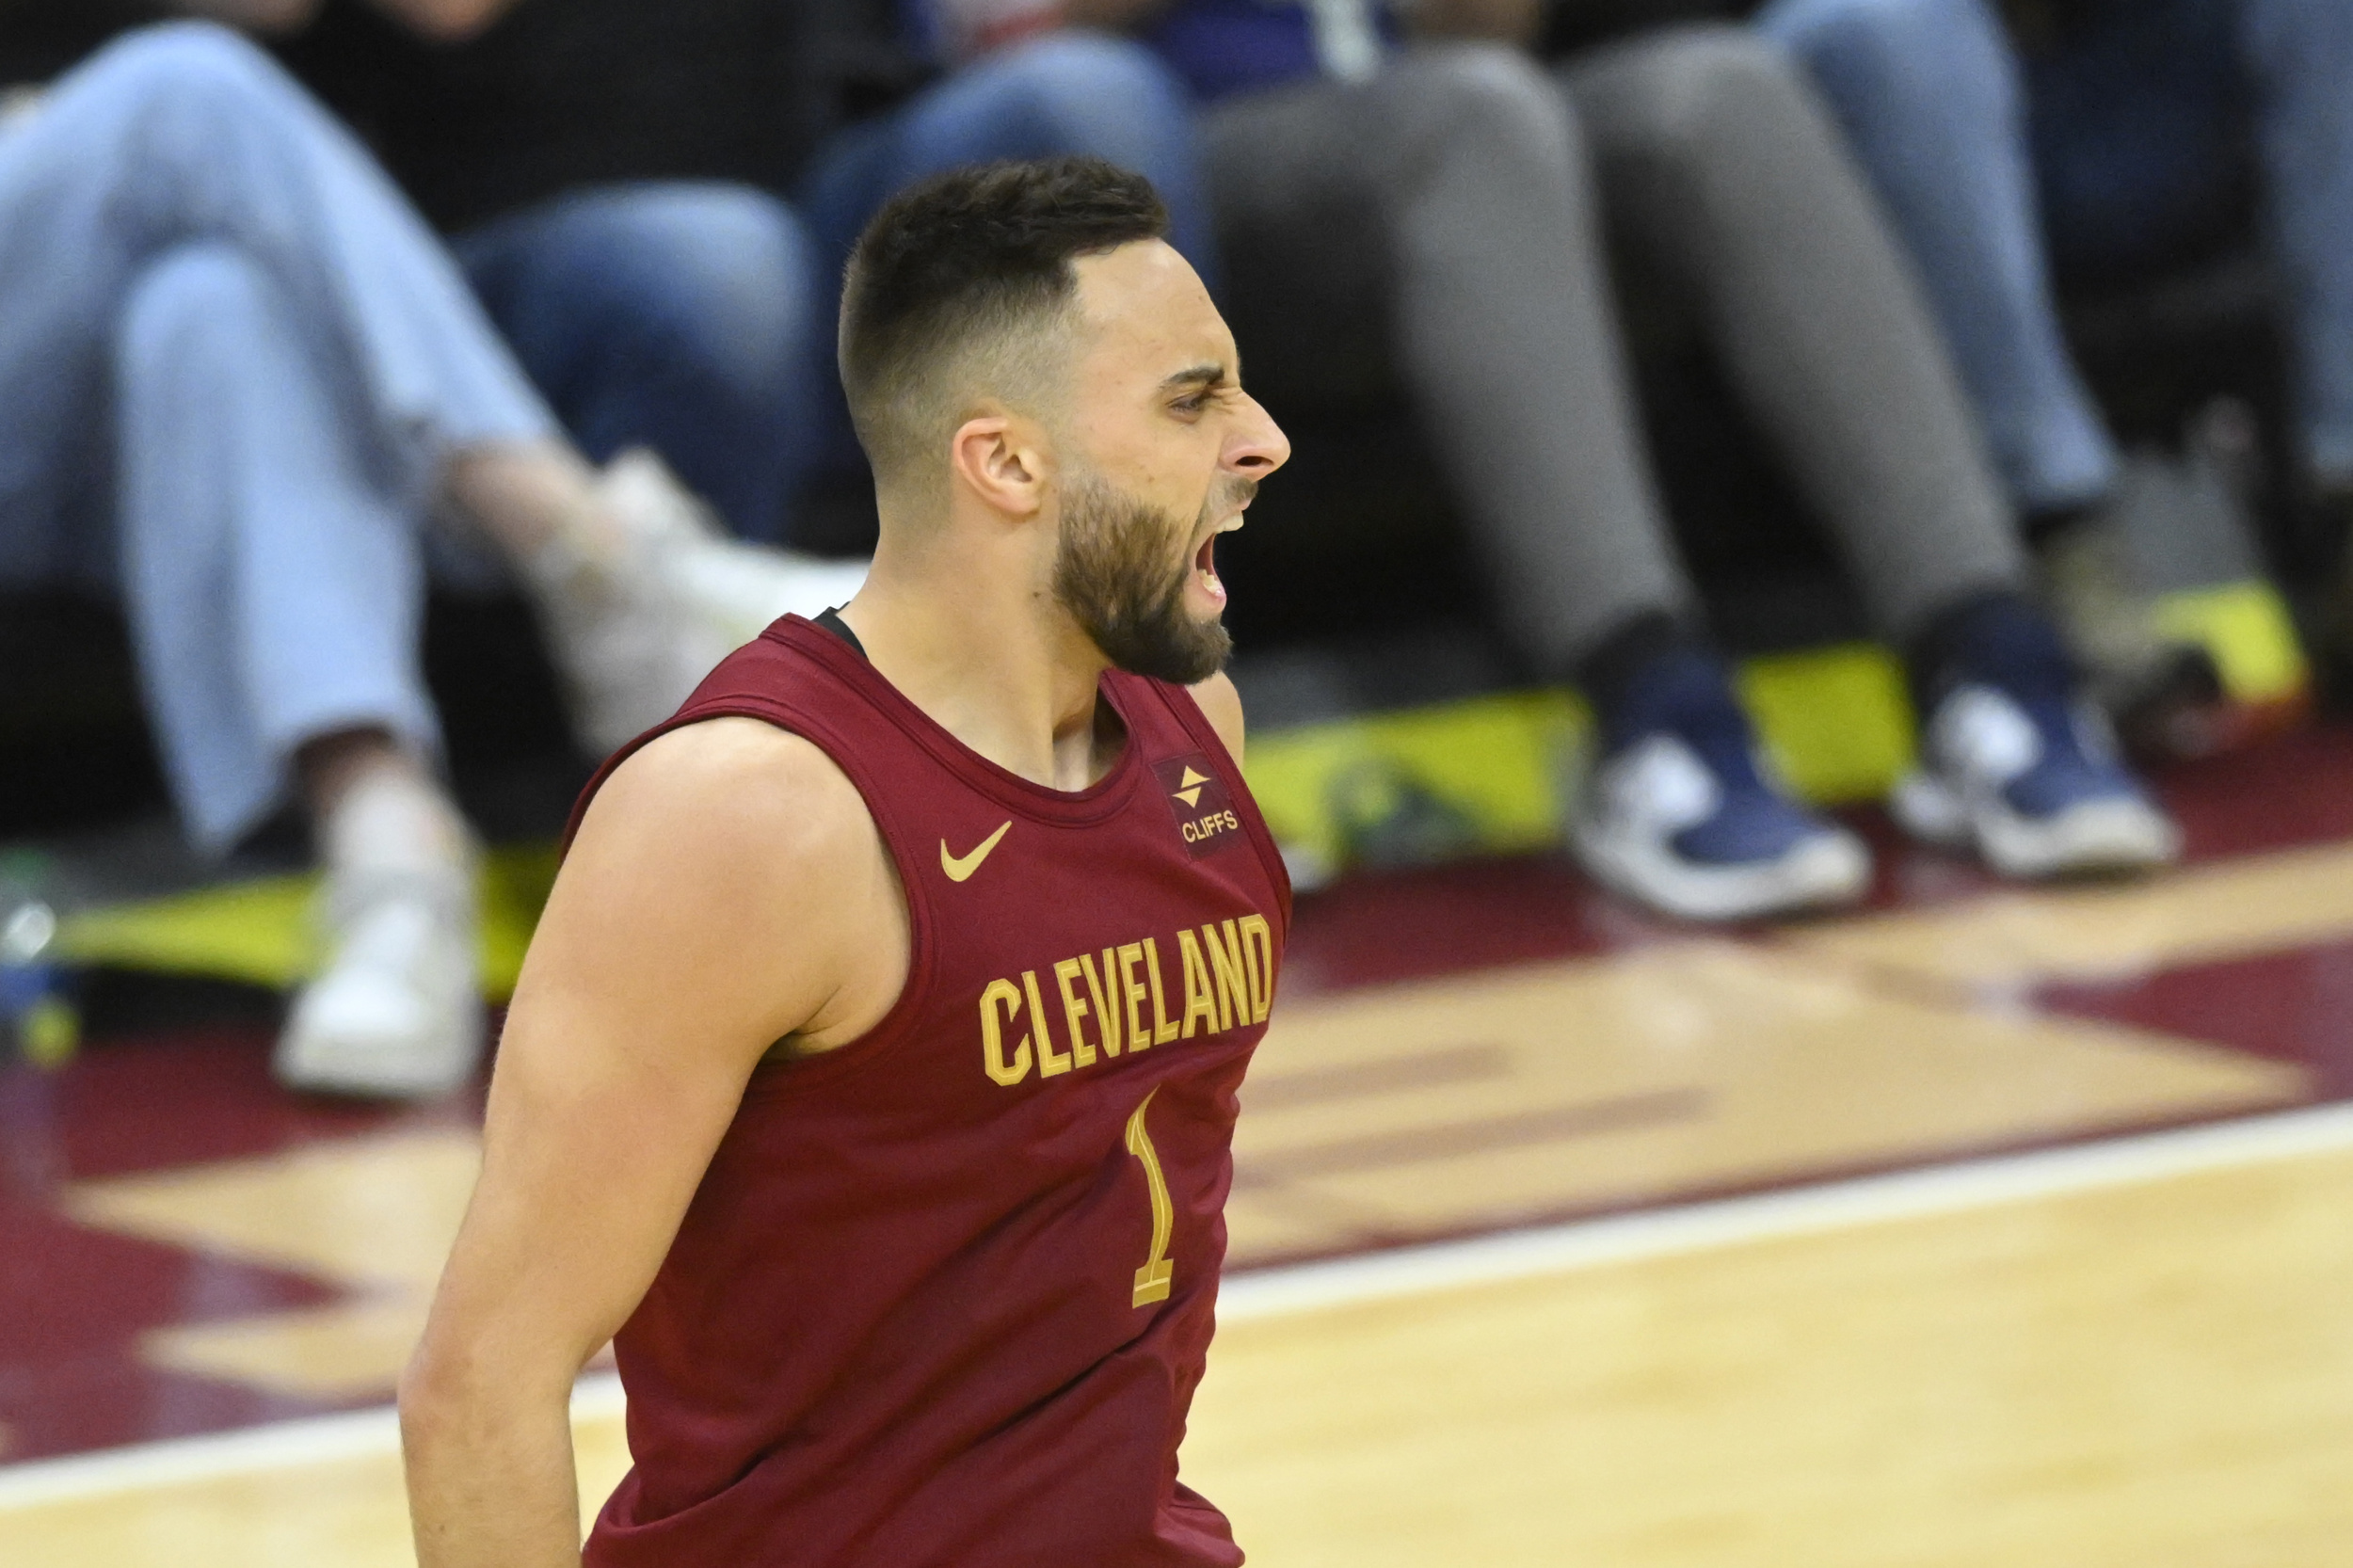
944,1294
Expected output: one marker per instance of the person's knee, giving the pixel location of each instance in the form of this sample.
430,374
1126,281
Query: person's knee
1075,81
1489,90
198,65
715,278
1687,89
1889,47
701,249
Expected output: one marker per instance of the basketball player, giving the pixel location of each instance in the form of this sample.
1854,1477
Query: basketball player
872,1078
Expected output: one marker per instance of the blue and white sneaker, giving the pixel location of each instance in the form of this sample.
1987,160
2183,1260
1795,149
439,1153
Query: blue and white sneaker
2017,765
2034,788
1678,814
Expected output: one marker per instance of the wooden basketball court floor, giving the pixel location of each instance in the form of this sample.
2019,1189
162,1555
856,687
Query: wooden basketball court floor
1987,1226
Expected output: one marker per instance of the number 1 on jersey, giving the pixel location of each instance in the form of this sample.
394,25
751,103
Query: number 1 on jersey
1153,1278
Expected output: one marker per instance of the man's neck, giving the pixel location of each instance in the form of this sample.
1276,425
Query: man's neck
993,660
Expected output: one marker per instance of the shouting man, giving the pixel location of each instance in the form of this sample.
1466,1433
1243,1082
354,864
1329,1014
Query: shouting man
872,1080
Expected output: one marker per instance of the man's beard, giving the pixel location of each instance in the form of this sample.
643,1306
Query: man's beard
1111,573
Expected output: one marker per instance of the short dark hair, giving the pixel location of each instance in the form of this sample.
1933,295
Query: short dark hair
975,259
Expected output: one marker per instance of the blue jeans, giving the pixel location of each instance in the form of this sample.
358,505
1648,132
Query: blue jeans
233,362
1071,92
2106,153
679,317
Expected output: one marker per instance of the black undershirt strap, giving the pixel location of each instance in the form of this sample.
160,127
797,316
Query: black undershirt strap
831,620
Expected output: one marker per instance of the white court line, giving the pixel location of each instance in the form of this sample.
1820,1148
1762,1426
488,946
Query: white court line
1408,1271
371,1433
1910,1195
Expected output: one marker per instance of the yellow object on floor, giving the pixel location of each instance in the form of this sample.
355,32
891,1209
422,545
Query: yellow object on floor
1486,775
1836,722
261,933
2246,628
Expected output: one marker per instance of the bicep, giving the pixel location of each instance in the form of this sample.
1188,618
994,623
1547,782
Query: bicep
671,955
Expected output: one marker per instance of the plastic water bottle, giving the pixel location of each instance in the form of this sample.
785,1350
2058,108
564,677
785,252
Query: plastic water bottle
37,1020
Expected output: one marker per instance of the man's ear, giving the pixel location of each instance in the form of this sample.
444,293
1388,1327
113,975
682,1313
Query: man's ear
1000,457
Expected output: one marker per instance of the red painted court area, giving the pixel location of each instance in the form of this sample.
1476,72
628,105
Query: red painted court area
164,1207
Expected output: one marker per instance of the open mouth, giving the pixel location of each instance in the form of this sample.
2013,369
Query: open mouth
1205,564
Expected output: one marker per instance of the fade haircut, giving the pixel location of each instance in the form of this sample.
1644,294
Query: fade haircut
963,287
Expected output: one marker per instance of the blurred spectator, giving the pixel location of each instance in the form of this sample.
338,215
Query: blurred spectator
606,170
599,167
236,373
1031,93
596,163
2111,138
1441,200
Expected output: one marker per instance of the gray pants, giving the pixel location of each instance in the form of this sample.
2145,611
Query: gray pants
232,361
1439,225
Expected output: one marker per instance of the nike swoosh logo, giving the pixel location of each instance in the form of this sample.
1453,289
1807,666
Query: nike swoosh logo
960,867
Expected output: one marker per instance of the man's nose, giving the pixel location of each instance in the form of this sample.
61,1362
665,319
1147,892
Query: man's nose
1259,447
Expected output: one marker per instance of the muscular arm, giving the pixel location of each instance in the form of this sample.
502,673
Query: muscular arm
727,890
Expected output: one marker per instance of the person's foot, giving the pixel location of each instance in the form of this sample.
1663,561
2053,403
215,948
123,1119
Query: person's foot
2164,692
1678,815
634,622
395,1013
733,588
2016,763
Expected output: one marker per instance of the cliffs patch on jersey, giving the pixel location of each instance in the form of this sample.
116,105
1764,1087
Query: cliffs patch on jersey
1205,812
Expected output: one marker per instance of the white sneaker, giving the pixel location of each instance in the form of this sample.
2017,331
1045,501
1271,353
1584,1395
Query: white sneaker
625,653
634,639
397,1014
734,588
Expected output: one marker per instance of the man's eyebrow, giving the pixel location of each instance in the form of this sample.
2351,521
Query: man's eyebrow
1208,375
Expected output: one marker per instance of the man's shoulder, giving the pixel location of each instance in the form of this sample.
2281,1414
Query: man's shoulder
731,787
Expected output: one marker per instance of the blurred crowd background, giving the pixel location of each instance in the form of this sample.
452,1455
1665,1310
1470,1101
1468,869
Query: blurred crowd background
402,402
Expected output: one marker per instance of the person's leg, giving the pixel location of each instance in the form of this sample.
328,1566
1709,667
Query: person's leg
2300,55
673,316
1726,172
273,586
185,133
2143,160
1450,194
1723,170
1929,95
1067,92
